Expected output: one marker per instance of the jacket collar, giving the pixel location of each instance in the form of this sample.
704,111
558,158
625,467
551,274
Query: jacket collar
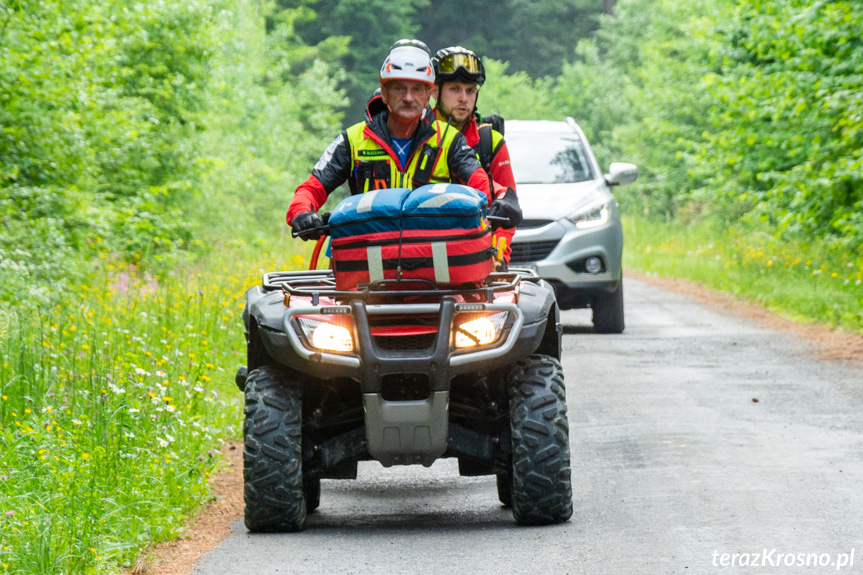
470,131
376,128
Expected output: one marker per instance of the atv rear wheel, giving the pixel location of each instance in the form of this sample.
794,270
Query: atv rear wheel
272,454
541,482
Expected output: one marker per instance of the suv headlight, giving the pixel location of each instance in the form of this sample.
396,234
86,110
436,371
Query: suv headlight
326,335
483,330
592,215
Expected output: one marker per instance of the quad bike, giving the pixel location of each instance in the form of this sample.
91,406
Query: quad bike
402,372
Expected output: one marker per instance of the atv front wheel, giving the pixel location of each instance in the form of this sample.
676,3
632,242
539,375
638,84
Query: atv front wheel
541,483
272,454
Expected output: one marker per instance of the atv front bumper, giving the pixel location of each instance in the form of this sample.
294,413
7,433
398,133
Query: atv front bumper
440,363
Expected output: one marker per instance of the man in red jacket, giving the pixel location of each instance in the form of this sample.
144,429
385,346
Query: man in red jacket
459,74
403,145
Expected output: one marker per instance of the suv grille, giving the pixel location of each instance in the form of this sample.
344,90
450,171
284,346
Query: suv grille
530,224
526,252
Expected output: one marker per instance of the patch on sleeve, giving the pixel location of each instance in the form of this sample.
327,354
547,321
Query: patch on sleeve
328,153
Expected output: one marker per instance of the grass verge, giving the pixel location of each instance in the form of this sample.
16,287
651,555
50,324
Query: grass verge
114,401
803,281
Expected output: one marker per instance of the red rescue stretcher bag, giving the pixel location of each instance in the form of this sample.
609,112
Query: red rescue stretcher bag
437,232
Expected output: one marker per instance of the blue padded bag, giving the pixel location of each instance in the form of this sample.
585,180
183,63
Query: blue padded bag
443,207
372,212
430,207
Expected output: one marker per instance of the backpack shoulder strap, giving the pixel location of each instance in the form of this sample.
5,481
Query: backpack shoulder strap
486,146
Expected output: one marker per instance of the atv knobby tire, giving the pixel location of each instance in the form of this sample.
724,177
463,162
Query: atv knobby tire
272,454
541,483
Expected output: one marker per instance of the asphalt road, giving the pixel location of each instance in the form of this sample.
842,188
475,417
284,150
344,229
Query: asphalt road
676,468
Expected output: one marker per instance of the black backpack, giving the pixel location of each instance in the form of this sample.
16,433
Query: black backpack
485,148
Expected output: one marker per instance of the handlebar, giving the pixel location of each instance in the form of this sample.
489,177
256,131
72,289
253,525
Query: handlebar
325,229
499,222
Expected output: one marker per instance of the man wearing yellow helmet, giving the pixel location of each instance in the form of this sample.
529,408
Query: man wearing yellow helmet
459,74
399,145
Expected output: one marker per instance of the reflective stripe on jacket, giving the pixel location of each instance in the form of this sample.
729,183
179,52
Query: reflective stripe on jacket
376,165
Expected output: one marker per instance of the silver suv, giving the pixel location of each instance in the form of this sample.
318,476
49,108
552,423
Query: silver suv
571,233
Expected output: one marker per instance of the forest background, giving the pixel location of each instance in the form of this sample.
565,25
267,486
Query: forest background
148,151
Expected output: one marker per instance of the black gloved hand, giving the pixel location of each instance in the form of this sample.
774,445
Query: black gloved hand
308,226
506,206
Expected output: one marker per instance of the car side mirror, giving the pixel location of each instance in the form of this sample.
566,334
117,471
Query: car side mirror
620,174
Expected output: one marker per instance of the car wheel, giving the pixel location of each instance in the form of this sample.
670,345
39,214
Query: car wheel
608,312
541,483
272,452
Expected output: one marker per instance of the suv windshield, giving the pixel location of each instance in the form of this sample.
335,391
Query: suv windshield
543,158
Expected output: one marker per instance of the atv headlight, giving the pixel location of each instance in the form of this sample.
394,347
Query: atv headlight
591,216
483,330
326,336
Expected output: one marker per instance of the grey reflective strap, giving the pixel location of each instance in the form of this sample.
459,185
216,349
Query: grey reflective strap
443,199
376,263
441,262
365,203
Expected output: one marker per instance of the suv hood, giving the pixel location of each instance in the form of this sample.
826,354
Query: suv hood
554,201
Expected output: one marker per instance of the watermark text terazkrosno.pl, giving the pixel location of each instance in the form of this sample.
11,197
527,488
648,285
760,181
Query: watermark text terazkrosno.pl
777,558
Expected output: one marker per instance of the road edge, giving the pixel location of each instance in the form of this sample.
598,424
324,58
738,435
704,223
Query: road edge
832,343
207,528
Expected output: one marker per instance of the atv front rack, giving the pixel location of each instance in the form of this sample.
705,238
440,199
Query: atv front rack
317,283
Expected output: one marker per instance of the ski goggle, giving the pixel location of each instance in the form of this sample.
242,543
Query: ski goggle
452,62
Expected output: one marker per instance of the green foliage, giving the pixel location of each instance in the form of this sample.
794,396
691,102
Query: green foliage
266,126
98,104
515,95
359,33
739,109
129,132
787,127
534,36
114,403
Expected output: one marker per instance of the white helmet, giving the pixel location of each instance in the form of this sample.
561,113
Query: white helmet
408,60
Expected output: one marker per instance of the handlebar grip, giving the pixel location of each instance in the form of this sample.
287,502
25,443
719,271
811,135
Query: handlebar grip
500,220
